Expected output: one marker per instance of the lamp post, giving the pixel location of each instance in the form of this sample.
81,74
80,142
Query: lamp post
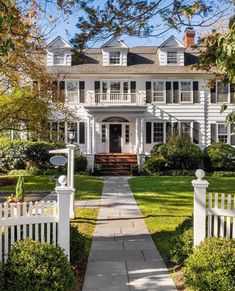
71,134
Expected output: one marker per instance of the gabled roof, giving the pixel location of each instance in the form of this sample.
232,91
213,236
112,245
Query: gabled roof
59,42
114,42
173,42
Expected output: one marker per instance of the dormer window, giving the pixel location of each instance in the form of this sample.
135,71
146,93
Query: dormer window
114,58
59,59
172,58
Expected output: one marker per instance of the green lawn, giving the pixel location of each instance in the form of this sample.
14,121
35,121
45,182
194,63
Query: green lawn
87,187
167,201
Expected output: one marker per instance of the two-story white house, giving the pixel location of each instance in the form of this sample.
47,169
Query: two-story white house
129,99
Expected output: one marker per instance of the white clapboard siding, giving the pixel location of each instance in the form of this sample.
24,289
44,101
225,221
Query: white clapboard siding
221,215
27,220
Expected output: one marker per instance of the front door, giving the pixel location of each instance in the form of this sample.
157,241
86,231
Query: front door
115,134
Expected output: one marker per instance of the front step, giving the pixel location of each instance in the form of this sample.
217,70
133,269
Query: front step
115,164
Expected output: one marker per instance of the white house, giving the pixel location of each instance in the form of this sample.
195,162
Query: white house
128,99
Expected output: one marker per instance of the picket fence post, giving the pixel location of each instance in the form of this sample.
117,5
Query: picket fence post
64,193
199,214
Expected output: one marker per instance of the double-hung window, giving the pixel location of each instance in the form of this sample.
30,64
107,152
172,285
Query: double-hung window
114,58
72,91
158,132
186,129
158,92
59,59
186,91
222,133
172,58
222,92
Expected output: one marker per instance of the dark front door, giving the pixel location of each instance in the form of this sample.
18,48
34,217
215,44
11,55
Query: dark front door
115,133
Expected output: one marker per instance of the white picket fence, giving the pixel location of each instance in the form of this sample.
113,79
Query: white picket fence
44,222
214,214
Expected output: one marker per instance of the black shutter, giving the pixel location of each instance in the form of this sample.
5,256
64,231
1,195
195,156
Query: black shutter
148,132
168,92
168,130
232,138
213,94
54,89
196,98
82,92
97,91
148,92
133,87
213,133
232,93
62,91
175,92
196,132
81,132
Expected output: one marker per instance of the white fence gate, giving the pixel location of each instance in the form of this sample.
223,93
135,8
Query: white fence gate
214,214
44,222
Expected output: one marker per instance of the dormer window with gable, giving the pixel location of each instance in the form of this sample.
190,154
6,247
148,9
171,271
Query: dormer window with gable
172,58
114,58
59,59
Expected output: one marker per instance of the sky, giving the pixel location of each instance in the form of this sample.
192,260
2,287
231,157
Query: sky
66,28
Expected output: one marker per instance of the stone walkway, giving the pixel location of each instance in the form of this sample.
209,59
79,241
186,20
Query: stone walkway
123,256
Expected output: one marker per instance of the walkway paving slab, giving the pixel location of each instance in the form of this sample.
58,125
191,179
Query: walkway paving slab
123,256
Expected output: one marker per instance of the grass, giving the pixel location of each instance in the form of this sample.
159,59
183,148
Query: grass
87,187
167,201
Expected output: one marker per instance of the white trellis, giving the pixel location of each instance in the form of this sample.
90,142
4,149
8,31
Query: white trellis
214,214
44,222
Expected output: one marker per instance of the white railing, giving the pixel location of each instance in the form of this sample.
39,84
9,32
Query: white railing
44,222
214,214
95,99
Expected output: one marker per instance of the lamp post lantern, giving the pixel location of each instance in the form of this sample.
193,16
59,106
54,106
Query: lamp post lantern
71,134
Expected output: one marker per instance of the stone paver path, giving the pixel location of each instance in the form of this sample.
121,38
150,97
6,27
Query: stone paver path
123,256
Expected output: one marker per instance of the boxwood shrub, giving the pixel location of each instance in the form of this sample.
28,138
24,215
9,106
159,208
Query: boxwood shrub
212,266
78,251
219,157
37,266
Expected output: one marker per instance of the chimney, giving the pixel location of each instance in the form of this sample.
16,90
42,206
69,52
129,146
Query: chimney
189,37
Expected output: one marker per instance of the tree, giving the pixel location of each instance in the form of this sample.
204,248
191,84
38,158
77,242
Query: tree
20,192
143,18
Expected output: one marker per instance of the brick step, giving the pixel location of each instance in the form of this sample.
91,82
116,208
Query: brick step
113,173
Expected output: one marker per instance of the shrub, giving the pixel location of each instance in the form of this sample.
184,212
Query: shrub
154,164
80,164
212,266
182,243
78,251
2,280
224,174
20,192
38,266
219,157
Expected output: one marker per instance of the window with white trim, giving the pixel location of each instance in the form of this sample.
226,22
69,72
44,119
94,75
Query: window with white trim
186,91
158,132
172,58
127,133
222,133
72,91
103,133
114,58
59,59
186,129
158,91
222,92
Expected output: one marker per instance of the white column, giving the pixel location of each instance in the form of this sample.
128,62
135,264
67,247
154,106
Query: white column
137,134
70,176
88,140
199,218
63,193
93,136
142,136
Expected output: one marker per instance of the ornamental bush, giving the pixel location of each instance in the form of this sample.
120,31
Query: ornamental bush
2,280
37,266
154,164
78,251
182,243
20,192
80,164
219,157
212,266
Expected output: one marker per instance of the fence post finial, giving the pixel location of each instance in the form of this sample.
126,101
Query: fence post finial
199,214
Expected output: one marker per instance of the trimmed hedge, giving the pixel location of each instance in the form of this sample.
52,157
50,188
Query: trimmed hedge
219,157
212,266
78,251
37,266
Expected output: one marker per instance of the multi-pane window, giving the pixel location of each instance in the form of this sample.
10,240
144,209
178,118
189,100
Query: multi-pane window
158,92
127,133
222,133
114,58
185,91
103,133
222,92
172,58
185,129
59,59
158,132
115,87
